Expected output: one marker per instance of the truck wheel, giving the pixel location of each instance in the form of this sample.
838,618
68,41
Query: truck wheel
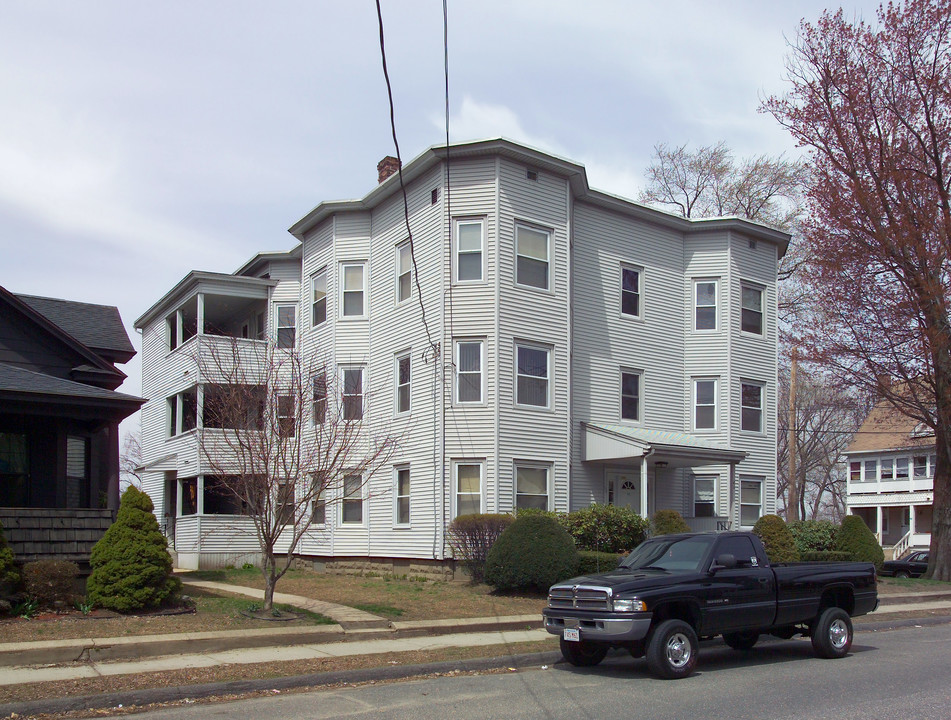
741,640
832,633
672,650
583,654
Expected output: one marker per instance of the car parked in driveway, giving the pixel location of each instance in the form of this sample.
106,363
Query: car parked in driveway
913,565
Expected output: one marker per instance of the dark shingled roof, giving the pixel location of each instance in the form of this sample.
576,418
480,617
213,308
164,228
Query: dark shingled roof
20,380
98,327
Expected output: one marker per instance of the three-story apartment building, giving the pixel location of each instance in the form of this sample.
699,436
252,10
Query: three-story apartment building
542,344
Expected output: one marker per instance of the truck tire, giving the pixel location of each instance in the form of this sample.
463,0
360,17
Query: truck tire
672,650
741,640
583,654
832,633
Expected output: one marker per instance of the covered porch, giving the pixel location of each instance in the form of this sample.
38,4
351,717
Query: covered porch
649,470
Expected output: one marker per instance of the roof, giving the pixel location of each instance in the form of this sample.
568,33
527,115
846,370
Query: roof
98,327
885,429
607,441
19,381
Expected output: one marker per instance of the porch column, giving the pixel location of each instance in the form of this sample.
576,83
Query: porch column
200,314
644,513
911,523
878,524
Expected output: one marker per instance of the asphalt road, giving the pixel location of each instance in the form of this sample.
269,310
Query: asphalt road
889,676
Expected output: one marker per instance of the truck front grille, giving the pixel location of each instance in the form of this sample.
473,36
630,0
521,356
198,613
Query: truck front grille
580,597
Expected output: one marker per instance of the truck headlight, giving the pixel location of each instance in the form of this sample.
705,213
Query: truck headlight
630,606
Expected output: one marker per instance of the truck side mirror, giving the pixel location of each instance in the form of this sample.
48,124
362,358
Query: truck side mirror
726,561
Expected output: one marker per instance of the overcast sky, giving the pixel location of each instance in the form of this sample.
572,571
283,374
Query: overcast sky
142,140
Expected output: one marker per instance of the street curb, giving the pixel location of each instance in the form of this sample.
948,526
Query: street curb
239,687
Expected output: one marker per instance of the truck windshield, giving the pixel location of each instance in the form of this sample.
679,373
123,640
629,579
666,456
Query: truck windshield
672,553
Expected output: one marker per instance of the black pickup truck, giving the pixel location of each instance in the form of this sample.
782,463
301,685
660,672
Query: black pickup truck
673,589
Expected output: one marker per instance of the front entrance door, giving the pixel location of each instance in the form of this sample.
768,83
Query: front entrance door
624,488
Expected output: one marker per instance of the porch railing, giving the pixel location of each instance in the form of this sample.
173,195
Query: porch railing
709,524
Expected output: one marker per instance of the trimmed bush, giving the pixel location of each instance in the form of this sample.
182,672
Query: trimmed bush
131,567
593,563
778,541
668,522
8,569
50,581
532,554
813,535
472,536
605,528
826,556
854,537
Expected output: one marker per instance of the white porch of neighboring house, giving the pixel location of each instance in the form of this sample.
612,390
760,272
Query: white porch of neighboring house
900,523
638,462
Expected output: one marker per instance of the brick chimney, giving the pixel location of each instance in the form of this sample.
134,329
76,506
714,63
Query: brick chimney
386,167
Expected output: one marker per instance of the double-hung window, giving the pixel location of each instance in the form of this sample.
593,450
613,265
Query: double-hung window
469,371
320,397
871,470
285,505
704,495
468,481
352,378
751,407
404,272
351,507
469,250
705,404
286,326
353,285
921,466
751,500
286,416
751,312
401,495
318,285
705,304
532,374
531,486
630,395
630,291
531,257
403,369
888,469
901,468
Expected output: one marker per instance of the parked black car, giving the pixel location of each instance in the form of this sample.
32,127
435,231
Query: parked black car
913,565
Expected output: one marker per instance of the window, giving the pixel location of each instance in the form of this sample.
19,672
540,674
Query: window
319,300
77,471
469,251
189,495
218,498
284,503
233,407
630,396
751,501
630,291
532,373
286,326
353,289
901,468
353,393
531,257
286,416
921,466
705,304
183,412
318,508
320,398
469,371
468,488
741,548
704,496
531,487
402,496
14,470
403,383
855,472
351,508
751,314
172,323
705,404
871,470
751,407
404,272
888,469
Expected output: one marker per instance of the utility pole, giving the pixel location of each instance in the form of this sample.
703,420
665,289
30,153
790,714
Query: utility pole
792,505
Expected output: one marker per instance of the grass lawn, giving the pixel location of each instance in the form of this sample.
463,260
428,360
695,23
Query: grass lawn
391,597
905,585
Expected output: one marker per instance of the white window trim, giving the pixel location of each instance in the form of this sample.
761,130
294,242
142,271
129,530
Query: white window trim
363,391
313,281
344,498
640,291
340,294
396,496
405,355
405,245
548,249
640,395
549,355
533,465
456,252
482,380
455,483
745,284
762,485
716,404
278,326
716,482
762,406
715,306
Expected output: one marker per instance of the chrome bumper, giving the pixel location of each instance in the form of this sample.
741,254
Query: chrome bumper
605,628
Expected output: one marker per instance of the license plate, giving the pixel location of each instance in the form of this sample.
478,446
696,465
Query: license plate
572,634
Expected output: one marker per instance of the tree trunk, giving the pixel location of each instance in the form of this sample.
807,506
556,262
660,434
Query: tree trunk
270,580
939,567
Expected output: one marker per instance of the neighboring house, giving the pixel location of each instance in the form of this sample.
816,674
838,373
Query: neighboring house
59,423
591,350
891,479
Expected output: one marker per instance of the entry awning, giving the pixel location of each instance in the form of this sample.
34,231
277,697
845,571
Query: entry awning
605,442
167,462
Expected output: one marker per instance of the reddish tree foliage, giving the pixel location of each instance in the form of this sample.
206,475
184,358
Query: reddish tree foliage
873,106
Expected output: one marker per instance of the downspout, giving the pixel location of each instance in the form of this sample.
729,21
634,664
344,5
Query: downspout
644,457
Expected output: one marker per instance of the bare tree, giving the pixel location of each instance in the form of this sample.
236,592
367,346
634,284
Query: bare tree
130,459
283,443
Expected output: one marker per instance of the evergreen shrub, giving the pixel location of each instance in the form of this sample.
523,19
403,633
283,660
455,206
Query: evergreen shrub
854,537
50,581
606,528
813,535
532,554
668,522
9,575
594,563
131,567
826,556
472,536
778,541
